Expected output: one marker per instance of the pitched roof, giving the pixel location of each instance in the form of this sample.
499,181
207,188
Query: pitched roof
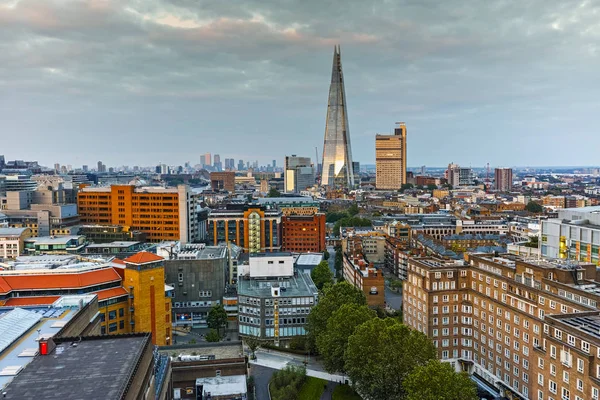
143,257
62,281
110,293
4,286
31,301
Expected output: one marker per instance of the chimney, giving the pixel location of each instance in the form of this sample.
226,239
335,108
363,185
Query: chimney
47,346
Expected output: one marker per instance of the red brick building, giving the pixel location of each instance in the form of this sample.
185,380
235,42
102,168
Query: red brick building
303,233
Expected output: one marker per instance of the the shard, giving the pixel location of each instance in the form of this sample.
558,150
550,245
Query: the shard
337,172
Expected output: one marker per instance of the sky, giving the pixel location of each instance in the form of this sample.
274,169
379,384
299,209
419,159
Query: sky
138,82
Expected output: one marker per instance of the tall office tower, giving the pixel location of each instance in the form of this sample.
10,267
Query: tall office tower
206,160
337,153
299,174
101,167
57,167
458,176
390,159
274,163
240,165
503,179
84,168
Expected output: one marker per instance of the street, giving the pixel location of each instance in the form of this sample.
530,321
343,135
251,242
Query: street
393,299
331,259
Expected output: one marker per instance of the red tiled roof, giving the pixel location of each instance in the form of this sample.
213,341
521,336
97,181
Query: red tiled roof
4,286
118,261
110,293
143,257
31,301
62,281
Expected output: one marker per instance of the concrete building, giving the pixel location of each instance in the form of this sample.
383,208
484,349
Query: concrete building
274,300
458,176
199,275
390,159
291,205
303,233
299,174
162,213
575,234
12,241
54,245
254,228
110,233
225,180
503,178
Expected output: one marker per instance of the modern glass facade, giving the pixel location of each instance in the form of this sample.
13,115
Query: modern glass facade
337,154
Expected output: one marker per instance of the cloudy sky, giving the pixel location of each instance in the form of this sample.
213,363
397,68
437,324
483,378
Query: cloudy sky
135,82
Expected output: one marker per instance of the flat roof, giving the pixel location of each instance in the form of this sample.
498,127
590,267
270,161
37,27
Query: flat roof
53,239
223,350
309,259
122,243
11,231
587,324
47,319
98,367
272,254
295,286
223,385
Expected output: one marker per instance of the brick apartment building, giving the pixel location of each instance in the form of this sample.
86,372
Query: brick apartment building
223,181
303,233
529,328
365,277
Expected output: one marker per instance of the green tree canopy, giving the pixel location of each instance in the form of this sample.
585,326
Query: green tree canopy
274,193
321,275
333,342
350,221
334,216
253,343
217,318
534,207
286,383
438,381
332,298
353,210
380,355
213,336
406,186
431,186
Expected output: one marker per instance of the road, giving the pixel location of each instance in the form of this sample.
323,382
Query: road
262,377
393,299
331,259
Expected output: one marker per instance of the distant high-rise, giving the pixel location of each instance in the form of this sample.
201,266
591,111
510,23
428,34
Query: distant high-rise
240,165
206,160
337,153
299,174
503,179
390,159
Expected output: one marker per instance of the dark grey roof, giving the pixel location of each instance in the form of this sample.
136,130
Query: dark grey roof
96,368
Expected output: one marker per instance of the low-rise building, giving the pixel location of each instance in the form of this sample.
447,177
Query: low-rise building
12,241
54,245
366,277
303,233
273,299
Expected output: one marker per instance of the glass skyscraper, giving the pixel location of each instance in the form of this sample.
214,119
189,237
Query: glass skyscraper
337,170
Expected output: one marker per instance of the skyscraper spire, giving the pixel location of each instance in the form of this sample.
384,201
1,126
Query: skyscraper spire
337,153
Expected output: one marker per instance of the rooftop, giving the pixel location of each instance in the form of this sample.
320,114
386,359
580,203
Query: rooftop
53,239
143,257
97,367
12,231
589,324
223,385
120,244
295,286
220,351
272,254
309,259
20,329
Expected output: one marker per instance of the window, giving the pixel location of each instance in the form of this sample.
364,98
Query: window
595,393
121,312
585,346
579,365
552,386
552,351
565,377
112,327
565,394
121,324
112,315
580,385
180,277
540,379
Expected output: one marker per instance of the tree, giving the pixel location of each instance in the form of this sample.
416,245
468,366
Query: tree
274,193
253,344
333,342
217,318
334,216
431,187
353,210
321,275
286,383
534,207
350,221
332,298
381,354
406,186
438,381
249,198
213,336
326,255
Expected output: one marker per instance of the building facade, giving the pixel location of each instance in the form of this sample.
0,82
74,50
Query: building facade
299,174
574,235
161,213
254,228
303,233
390,159
337,169
526,327
365,277
12,241
503,178
224,180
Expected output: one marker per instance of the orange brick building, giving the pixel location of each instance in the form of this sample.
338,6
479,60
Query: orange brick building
303,233
365,277
161,213
223,181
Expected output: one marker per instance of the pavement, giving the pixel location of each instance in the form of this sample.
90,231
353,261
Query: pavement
331,259
262,377
393,299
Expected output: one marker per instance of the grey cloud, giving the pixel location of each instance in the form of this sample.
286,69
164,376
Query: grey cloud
142,81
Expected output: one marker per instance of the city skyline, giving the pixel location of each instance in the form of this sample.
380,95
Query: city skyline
159,82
